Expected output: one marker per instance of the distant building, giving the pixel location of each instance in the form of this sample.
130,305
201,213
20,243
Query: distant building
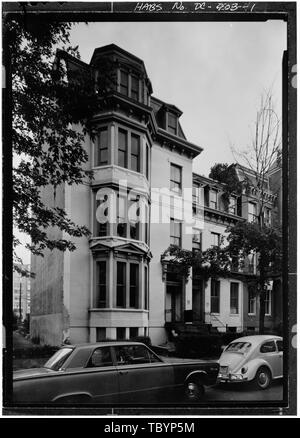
21,294
114,285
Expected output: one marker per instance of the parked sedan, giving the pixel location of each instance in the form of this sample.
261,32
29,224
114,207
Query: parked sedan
252,358
112,372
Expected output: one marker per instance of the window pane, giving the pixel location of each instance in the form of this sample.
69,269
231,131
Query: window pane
124,83
103,148
232,206
268,347
135,153
101,284
175,234
147,161
213,199
175,183
196,188
121,284
172,123
197,237
132,354
146,287
101,357
122,148
121,333
234,298
251,300
215,238
134,283
101,228
252,214
215,296
134,88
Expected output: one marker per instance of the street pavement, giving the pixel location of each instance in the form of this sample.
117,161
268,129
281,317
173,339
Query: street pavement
244,392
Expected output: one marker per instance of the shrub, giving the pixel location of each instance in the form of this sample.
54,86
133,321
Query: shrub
34,351
198,345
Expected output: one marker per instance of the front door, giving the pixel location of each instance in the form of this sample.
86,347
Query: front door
197,299
174,302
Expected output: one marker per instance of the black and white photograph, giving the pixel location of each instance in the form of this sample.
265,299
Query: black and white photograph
149,208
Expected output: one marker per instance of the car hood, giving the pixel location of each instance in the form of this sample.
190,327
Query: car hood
31,372
232,360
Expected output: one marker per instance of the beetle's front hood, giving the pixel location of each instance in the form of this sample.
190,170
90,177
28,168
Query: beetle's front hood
232,360
31,372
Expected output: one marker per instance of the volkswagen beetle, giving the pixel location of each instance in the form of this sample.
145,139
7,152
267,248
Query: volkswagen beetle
252,358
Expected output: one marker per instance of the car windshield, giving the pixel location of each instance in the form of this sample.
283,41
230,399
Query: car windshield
238,347
58,359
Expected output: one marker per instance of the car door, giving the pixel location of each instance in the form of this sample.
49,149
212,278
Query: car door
143,377
268,351
97,379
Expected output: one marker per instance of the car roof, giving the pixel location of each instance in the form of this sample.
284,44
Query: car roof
257,339
101,344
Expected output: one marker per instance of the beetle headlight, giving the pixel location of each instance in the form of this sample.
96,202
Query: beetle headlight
244,370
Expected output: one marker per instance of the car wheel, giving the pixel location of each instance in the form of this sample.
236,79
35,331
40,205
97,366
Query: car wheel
194,390
263,378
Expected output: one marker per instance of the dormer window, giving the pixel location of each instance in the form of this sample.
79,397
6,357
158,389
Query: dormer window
232,207
129,85
134,87
171,123
213,199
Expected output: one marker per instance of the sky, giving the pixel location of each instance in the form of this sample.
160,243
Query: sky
214,72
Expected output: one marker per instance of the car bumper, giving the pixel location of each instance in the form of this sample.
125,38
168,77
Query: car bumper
231,378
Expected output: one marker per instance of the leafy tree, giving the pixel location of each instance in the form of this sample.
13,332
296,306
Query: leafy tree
214,262
266,242
226,174
48,99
